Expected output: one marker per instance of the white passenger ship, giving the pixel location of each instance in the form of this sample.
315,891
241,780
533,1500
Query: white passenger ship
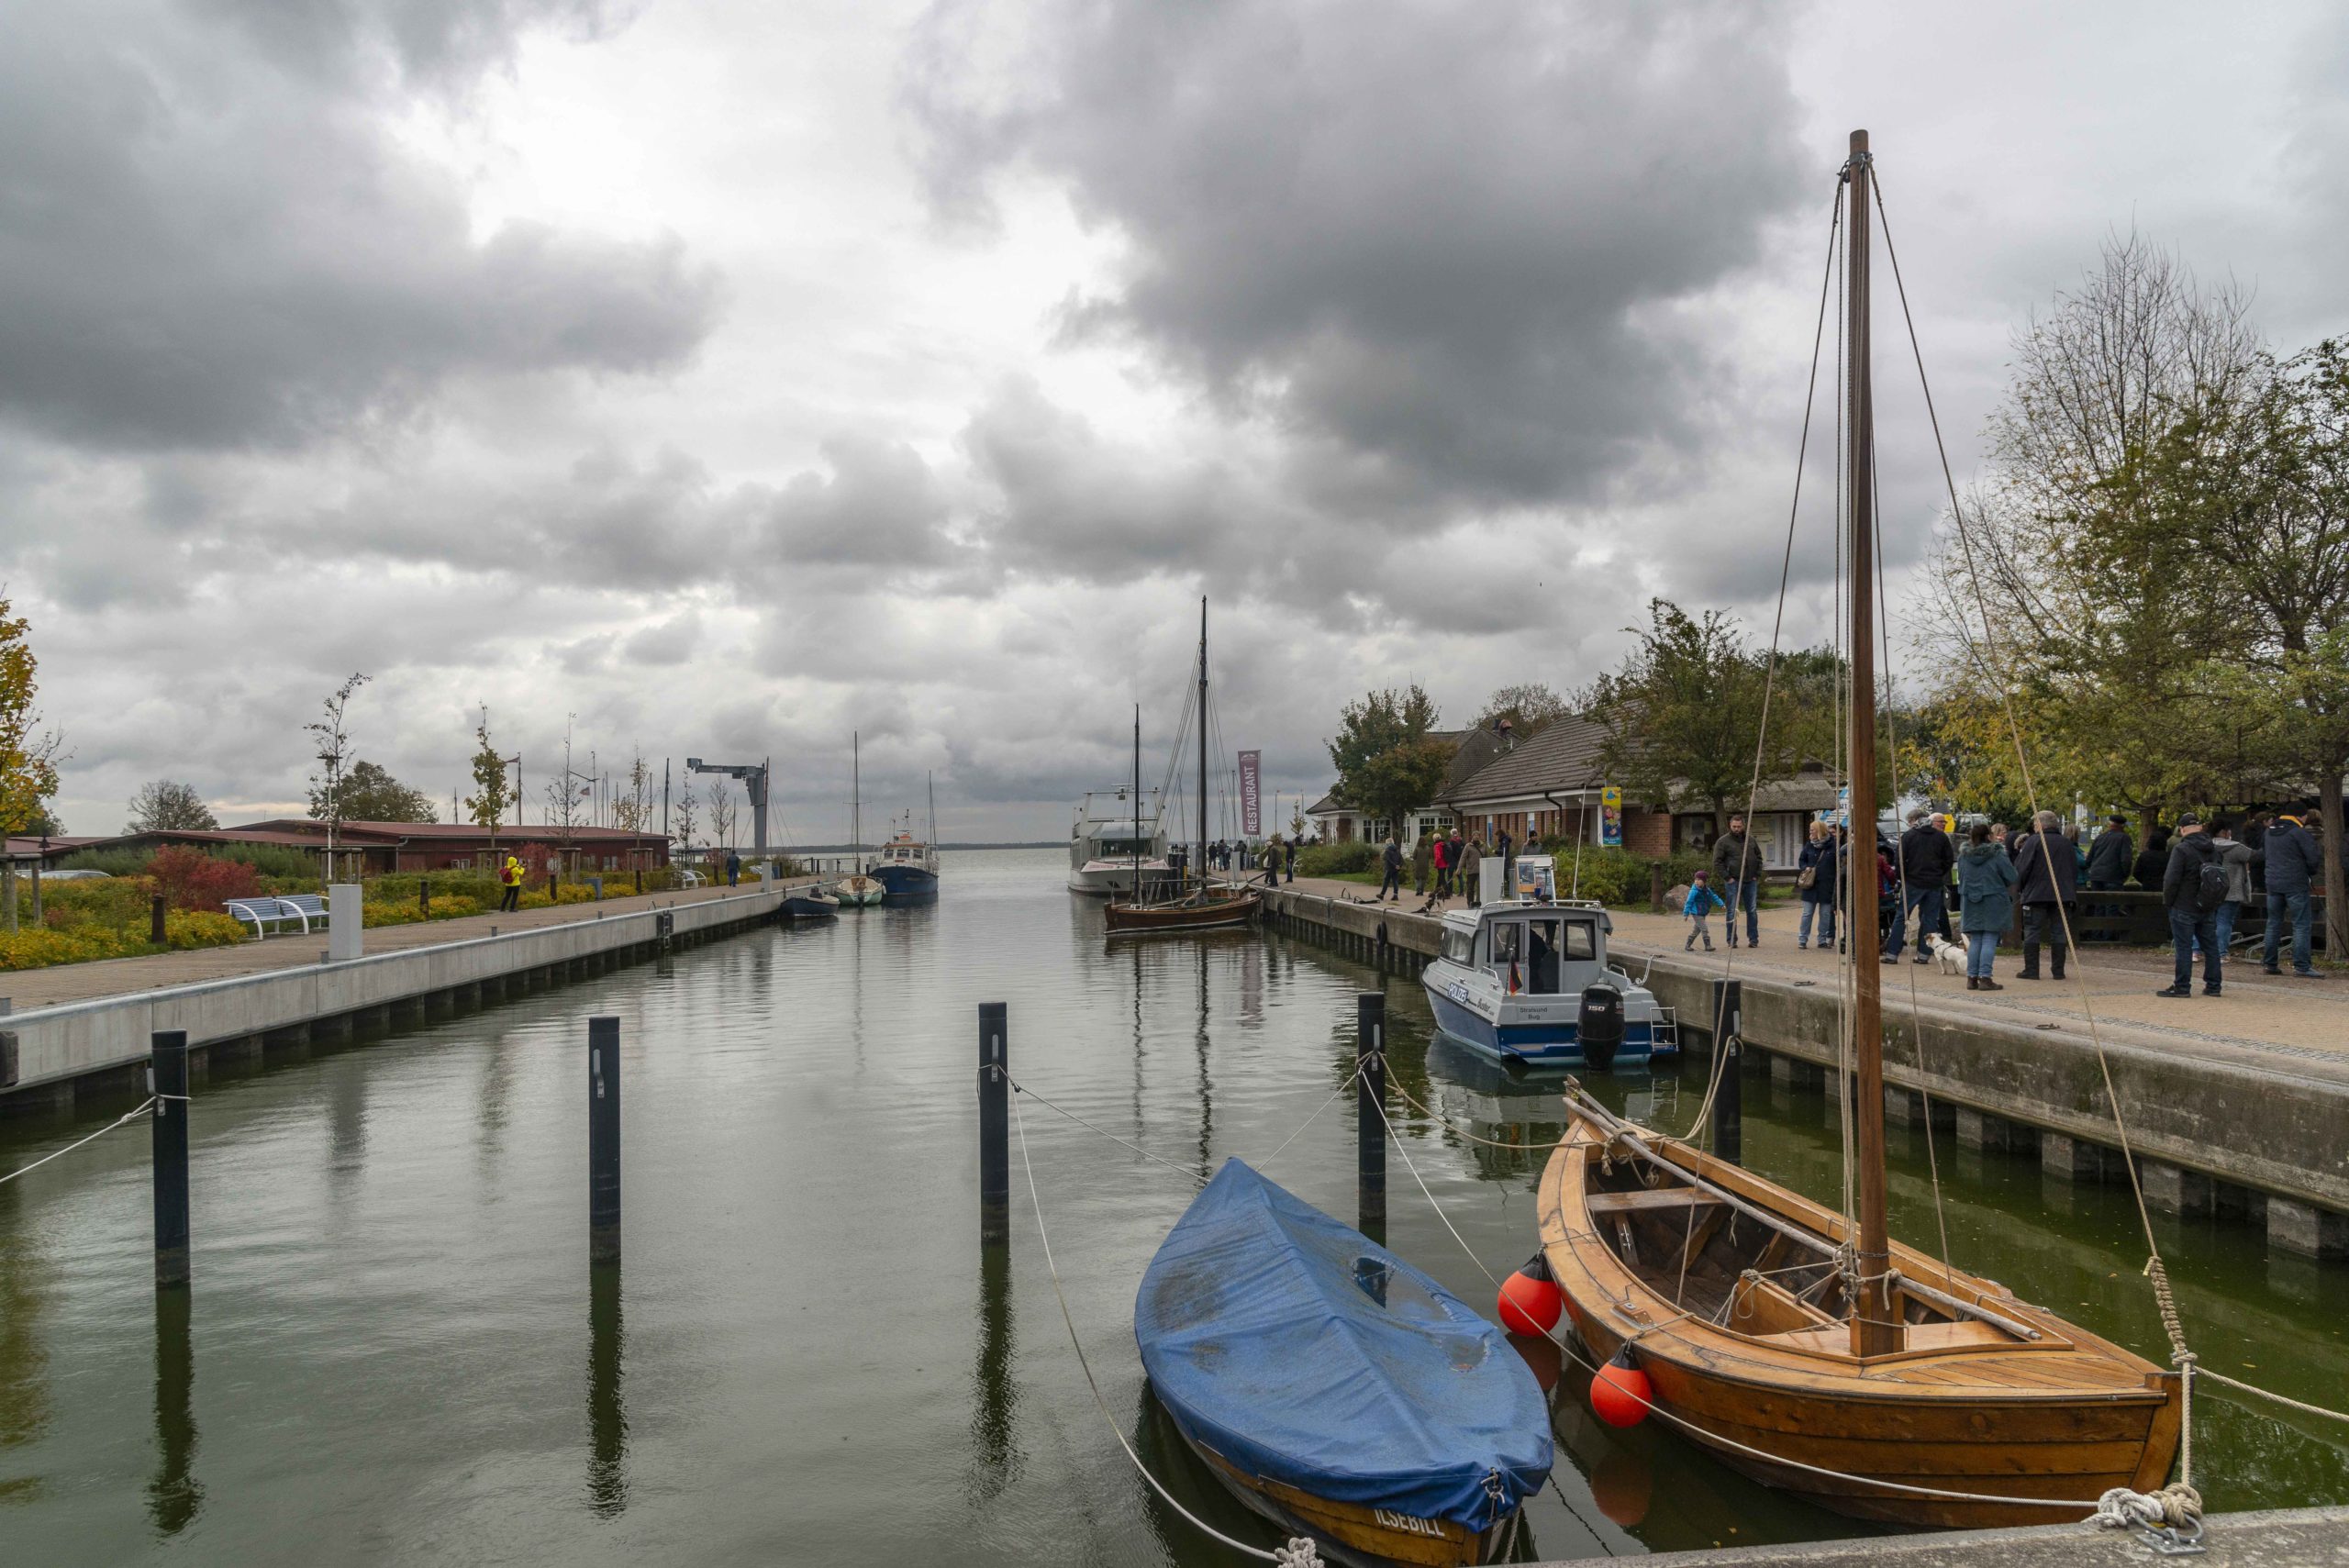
1103,848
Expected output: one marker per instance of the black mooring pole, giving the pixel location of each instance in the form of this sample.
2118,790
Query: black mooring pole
994,1125
1370,1121
1729,1049
603,1140
169,1125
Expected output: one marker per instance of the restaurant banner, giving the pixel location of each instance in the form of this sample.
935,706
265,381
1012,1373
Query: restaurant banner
1251,807
1611,817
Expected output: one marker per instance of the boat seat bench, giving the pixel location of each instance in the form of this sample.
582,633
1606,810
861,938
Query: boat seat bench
1649,1202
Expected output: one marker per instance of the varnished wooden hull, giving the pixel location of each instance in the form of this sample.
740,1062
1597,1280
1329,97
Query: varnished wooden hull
1357,1534
1963,1407
1151,919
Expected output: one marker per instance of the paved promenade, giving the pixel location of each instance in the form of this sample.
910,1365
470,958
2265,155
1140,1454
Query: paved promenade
2287,1023
29,988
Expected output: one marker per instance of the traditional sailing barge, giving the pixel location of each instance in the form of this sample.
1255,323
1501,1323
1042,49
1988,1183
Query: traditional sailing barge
1801,1345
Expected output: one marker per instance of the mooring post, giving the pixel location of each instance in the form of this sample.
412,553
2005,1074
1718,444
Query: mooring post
155,932
1370,1118
168,1126
1729,1064
424,896
603,1140
995,1127
1655,888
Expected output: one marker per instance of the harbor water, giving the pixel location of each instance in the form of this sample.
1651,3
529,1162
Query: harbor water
395,1350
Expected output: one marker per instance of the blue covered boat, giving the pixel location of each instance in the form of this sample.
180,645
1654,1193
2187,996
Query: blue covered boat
1334,1388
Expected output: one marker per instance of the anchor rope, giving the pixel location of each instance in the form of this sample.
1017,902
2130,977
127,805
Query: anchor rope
128,1116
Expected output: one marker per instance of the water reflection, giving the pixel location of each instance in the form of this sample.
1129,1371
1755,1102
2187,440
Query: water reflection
606,1416
995,1457
174,1496
25,1410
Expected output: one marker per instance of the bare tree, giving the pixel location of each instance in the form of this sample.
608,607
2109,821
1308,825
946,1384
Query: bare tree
333,753
161,805
686,814
721,813
632,806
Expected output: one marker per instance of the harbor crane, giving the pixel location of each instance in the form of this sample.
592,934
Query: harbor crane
754,783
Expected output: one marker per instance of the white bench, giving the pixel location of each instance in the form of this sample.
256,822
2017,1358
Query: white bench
265,912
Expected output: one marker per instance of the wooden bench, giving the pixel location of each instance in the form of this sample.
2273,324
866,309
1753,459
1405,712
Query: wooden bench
263,912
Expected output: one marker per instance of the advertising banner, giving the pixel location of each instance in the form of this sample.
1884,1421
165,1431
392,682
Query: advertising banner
1611,817
1251,807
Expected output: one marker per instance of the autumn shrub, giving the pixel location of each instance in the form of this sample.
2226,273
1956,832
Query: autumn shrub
183,928
113,862
1337,859
115,901
186,928
278,861
190,879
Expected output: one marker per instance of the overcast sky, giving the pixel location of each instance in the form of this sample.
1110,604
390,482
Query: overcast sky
726,376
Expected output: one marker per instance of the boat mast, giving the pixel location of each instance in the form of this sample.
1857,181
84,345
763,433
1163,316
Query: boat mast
1137,843
1199,850
1876,1327
856,799
929,781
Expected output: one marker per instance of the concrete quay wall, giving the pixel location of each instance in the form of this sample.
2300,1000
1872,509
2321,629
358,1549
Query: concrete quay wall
105,1043
2289,1538
2214,1130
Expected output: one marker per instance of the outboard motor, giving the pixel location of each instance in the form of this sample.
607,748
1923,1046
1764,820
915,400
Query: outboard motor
1599,1026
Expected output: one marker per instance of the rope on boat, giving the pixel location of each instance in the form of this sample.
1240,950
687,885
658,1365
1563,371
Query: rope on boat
128,1116
1299,1552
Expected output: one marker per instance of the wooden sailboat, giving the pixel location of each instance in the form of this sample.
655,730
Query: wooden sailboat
1806,1349
858,890
1196,905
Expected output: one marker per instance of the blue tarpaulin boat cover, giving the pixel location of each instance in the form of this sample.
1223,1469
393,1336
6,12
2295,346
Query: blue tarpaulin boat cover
1306,1354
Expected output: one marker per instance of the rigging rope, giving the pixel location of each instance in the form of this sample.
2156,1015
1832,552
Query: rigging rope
128,1116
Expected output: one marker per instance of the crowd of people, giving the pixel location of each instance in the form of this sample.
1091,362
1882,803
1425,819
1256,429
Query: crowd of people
2205,872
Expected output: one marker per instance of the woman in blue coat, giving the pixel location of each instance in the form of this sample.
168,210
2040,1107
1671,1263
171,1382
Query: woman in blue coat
1985,880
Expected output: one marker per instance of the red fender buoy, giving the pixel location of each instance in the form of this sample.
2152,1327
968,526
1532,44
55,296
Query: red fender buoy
1620,1395
1531,1300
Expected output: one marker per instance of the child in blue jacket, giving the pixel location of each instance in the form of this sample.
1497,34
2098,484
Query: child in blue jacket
1702,902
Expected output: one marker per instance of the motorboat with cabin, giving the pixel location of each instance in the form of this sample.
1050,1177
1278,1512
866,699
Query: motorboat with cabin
1110,850
907,867
1510,981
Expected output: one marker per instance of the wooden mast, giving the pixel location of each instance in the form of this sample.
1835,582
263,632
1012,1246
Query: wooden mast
1199,850
1136,846
1875,1329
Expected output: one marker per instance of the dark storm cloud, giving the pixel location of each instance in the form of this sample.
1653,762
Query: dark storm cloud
438,44
204,245
1446,240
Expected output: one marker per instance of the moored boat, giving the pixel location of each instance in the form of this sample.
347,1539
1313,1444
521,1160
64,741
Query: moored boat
810,904
1221,909
1111,852
1333,1388
1730,1290
857,891
1509,977
907,870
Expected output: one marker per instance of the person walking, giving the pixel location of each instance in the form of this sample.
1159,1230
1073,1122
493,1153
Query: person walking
1273,861
1506,848
2293,864
1701,903
1985,880
510,874
1472,859
1390,886
2109,856
1447,856
1422,863
2046,888
1737,868
1815,878
2193,887
1926,859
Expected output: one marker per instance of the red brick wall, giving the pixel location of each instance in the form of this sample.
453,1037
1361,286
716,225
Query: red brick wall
1647,832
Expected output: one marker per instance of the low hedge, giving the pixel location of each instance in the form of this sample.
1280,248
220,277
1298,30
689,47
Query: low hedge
1337,860
38,947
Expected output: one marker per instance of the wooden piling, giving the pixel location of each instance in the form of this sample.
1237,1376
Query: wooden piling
1370,1119
169,1128
995,1124
1729,1068
603,1140
155,932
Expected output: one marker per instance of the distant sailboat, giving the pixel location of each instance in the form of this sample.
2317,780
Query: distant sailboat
1195,906
857,890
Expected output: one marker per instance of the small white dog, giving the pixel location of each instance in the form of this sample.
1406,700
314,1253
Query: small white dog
1951,956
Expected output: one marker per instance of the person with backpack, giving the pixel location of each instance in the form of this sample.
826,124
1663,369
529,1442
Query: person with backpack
2193,887
2236,858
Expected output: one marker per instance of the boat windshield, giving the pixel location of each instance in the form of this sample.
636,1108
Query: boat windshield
1458,946
1111,849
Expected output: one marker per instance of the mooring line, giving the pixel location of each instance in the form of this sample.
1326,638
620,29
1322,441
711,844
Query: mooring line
1018,1088
128,1116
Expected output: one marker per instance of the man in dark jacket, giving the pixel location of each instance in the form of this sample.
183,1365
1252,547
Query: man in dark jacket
2046,887
1737,871
1927,857
2190,925
2108,857
2293,865
2153,861
1391,858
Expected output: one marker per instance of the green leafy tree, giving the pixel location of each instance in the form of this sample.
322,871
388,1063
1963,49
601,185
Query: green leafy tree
1683,715
1387,764
370,793
27,754
165,803
1528,707
486,806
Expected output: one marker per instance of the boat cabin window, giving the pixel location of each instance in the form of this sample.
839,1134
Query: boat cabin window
1112,849
1458,945
1580,941
1540,977
1507,941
